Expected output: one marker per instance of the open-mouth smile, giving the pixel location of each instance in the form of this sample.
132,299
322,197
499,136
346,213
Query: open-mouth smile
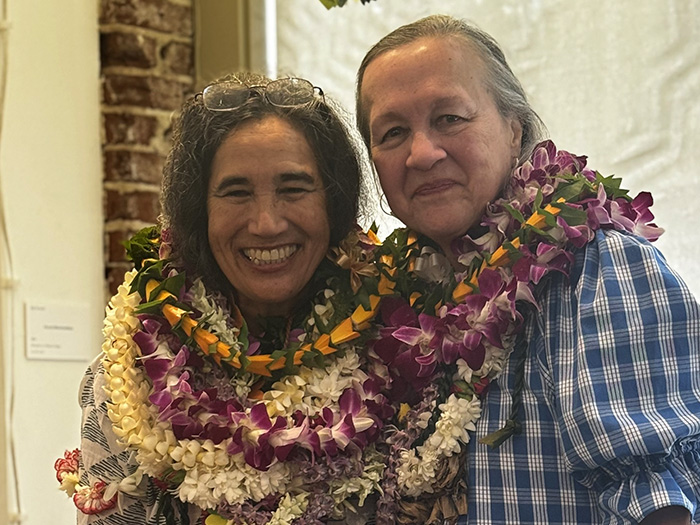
266,256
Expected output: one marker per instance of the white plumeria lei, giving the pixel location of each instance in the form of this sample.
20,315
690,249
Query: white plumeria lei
211,474
417,467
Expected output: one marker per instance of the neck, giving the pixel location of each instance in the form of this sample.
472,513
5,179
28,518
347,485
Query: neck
449,253
255,312
255,316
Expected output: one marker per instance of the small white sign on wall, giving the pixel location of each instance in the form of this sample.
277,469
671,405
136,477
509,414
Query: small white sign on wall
57,331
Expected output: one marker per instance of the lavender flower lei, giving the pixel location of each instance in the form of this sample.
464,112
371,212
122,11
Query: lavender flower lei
451,333
296,439
400,424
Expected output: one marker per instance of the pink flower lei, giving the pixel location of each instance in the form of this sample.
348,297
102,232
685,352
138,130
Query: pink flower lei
449,334
217,423
246,446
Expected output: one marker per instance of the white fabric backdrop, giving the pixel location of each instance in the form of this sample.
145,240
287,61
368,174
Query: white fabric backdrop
616,81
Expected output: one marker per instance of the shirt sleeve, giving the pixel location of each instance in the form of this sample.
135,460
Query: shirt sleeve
102,458
623,340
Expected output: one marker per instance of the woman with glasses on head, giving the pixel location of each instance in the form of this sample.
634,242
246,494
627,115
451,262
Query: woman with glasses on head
227,388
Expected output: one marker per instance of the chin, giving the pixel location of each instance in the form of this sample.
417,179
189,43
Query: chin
443,233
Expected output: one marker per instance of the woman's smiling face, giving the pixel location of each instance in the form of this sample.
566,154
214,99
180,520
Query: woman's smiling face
440,146
268,226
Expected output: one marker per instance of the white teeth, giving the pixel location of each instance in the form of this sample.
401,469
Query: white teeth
274,256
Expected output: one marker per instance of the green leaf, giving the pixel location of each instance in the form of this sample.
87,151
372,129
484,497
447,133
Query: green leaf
538,200
549,218
276,354
432,299
363,298
514,213
243,339
313,359
149,270
612,186
152,307
143,245
171,285
573,216
245,362
570,191
333,3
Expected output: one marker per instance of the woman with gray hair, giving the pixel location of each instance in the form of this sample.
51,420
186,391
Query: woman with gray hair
595,417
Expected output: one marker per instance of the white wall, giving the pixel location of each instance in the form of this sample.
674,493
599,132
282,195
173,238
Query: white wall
617,81
51,172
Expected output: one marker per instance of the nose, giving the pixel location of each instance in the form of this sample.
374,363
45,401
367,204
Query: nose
268,219
425,151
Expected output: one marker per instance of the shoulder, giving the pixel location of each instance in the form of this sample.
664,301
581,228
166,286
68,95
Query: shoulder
88,384
615,279
620,252
621,264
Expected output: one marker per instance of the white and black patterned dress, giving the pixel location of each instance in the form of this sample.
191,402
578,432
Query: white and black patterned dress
102,458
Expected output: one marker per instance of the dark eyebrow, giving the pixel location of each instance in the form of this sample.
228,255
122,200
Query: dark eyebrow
231,181
297,176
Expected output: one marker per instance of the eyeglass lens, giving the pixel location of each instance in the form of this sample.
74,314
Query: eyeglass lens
288,92
285,92
225,95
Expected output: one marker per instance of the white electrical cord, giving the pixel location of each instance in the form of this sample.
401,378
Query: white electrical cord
7,282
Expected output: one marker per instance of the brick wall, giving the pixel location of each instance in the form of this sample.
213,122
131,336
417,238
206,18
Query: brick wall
147,71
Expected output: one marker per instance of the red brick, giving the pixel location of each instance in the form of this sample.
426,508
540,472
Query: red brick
115,247
129,129
147,92
178,58
133,166
114,274
137,205
159,15
128,50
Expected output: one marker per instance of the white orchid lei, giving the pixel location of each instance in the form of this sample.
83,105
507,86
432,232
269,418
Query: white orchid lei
345,411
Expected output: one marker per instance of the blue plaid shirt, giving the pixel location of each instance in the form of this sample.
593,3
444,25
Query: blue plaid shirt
611,399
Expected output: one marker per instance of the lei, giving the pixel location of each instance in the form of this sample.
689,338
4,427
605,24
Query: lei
454,333
344,409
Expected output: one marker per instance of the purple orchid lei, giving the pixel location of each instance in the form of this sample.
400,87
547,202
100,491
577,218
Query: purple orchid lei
297,442
449,334
388,415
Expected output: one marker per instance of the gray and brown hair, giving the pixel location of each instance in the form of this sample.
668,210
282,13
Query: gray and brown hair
506,89
197,134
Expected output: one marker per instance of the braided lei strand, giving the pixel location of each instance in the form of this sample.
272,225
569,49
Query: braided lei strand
349,408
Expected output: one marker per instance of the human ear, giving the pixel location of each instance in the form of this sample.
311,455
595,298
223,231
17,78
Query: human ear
516,129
